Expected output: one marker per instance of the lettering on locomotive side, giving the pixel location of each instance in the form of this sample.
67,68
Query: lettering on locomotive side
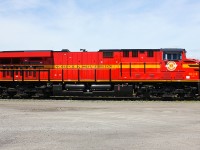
84,66
58,66
193,73
133,65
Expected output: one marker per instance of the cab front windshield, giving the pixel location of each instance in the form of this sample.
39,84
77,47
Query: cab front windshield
172,56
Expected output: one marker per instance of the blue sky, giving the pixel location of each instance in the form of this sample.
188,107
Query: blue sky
99,24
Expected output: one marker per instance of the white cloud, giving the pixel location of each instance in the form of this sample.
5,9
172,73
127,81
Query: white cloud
95,24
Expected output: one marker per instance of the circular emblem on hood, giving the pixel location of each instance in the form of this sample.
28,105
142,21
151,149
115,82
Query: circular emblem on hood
171,65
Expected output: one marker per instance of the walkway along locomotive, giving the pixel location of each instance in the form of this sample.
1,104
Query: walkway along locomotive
144,73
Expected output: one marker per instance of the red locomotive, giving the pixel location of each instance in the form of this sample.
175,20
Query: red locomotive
146,73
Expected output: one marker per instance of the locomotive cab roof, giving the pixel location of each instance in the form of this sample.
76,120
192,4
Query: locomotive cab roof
172,49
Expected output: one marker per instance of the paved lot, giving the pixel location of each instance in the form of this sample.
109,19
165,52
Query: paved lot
99,125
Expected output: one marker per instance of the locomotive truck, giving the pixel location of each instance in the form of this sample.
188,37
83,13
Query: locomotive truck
142,73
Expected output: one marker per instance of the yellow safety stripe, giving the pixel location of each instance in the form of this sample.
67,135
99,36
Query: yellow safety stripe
190,66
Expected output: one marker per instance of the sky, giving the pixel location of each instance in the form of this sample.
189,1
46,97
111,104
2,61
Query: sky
100,24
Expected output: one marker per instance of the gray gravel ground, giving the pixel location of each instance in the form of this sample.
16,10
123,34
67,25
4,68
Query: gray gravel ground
99,125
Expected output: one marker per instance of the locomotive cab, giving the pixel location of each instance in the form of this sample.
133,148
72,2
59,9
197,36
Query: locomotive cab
172,60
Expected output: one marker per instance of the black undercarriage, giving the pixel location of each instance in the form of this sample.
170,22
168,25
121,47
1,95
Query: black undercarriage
143,91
